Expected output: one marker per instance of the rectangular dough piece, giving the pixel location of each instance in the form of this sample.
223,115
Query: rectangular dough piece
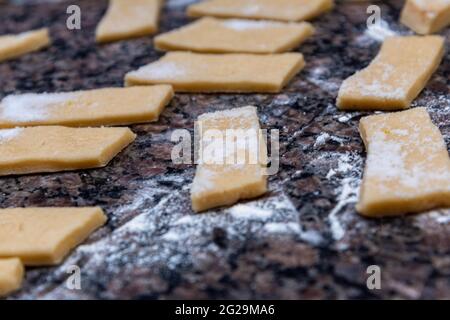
13,46
395,77
44,236
194,72
232,164
11,275
408,166
284,10
426,16
235,35
101,107
55,148
126,19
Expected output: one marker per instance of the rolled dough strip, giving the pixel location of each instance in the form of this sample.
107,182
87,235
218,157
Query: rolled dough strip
229,169
408,166
110,106
235,35
426,16
285,10
11,275
13,46
44,236
54,148
129,19
395,77
193,72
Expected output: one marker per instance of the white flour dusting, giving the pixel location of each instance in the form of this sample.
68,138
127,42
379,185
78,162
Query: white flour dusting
241,25
160,70
319,76
348,195
8,134
31,106
325,137
348,172
380,31
243,211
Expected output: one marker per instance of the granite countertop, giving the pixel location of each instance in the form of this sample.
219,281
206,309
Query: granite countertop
303,240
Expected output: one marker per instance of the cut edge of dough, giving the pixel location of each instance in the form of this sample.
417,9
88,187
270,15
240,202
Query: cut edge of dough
165,45
15,283
43,40
396,207
298,65
104,157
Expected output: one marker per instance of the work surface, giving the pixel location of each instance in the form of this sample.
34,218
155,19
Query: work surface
303,239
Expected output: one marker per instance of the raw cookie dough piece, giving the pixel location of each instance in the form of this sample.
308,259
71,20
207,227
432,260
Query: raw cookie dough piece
11,274
55,148
232,159
44,236
408,166
426,16
235,35
13,46
395,77
128,19
110,106
285,10
193,72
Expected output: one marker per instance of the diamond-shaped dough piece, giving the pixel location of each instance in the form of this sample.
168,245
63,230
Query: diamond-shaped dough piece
194,72
13,46
109,106
408,166
395,77
126,19
56,148
232,165
426,16
11,275
235,35
285,10
44,236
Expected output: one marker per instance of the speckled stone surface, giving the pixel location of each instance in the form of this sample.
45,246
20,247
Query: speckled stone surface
303,240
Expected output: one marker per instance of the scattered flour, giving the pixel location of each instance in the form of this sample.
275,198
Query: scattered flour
380,31
348,195
242,211
324,137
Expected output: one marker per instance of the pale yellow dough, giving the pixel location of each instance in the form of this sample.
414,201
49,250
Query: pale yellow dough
235,35
44,236
110,106
285,10
55,148
395,77
426,16
408,166
193,72
13,46
126,19
229,169
11,274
